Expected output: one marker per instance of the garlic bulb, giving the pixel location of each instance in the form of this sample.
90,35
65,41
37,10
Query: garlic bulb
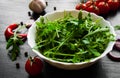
37,5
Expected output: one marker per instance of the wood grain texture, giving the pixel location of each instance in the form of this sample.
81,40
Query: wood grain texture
12,11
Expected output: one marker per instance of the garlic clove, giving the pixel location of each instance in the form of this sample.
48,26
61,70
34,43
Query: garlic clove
43,4
37,6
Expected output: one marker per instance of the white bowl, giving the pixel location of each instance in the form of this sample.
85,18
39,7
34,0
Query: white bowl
71,66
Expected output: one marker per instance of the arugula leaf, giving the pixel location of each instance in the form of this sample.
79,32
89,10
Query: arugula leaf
9,43
13,45
70,39
117,27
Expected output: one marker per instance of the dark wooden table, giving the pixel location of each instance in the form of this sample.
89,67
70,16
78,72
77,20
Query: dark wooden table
12,11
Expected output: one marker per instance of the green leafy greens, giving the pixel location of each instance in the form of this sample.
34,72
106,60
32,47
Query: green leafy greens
71,39
13,44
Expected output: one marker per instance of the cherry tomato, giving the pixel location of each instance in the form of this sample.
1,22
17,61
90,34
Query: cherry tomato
81,6
113,4
34,66
93,9
78,6
84,6
103,8
89,3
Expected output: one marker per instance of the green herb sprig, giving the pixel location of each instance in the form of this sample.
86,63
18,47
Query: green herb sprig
13,44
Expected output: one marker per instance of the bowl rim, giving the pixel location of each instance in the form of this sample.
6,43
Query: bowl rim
65,63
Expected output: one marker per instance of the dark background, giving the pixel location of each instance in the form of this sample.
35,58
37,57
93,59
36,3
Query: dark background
15,11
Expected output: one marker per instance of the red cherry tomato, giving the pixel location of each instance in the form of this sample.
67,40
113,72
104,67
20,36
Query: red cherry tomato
34,66
89,3
93,9
81,6
78,6
113,4
103,8
84,6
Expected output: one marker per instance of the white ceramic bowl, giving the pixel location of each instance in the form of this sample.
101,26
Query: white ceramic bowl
71,66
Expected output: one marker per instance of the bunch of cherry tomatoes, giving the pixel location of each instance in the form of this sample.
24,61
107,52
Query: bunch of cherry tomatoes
99,7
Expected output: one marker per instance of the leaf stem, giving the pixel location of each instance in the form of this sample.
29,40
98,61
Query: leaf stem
96,31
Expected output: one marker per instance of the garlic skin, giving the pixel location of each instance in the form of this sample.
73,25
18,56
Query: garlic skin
37,6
